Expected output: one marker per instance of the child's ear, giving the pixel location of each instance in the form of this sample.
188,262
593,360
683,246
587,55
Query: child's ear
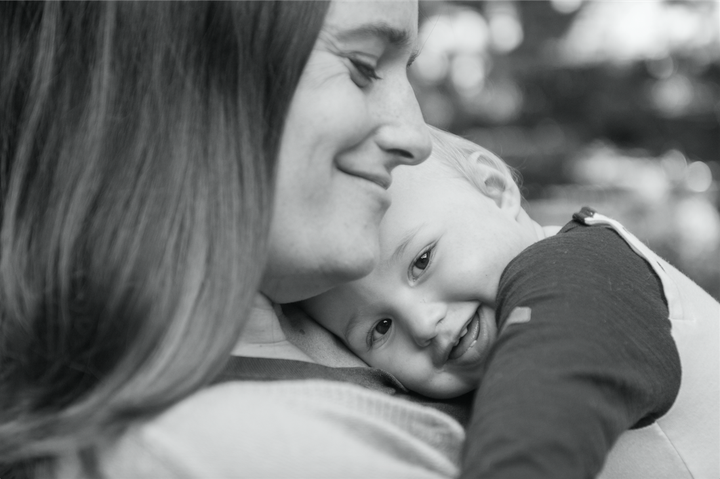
499,186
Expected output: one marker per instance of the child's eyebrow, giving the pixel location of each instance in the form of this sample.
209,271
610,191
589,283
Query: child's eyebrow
404,242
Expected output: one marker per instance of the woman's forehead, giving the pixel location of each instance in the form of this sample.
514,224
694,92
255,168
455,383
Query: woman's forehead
393,22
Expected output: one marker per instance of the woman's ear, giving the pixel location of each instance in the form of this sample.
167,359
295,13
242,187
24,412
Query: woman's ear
498,185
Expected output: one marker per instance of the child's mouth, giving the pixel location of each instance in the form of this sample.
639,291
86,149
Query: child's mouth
468,337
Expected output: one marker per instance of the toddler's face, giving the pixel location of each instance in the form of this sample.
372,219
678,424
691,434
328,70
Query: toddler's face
425,314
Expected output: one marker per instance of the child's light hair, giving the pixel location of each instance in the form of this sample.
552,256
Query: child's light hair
462,155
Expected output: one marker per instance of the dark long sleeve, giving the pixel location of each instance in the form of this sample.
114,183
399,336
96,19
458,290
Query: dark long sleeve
595,359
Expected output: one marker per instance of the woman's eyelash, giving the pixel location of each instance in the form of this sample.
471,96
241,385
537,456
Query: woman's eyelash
412,59
365,70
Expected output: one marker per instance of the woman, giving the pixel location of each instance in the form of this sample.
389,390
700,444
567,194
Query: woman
138,176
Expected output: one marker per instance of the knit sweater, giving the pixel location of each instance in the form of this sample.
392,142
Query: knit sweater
288,429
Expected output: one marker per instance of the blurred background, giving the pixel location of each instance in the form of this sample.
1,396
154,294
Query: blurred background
609,104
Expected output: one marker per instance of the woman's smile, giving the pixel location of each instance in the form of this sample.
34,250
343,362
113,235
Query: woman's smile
375,186
380,177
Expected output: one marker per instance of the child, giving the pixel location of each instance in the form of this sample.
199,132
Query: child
575,336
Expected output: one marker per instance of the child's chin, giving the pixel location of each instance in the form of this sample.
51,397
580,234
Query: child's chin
473,359
460,387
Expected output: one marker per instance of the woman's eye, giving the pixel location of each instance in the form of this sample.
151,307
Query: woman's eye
420,264
380,330
366,73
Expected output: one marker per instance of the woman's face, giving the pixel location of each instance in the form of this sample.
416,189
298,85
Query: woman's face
354,117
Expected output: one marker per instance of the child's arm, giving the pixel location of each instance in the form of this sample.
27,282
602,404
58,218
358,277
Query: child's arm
595,359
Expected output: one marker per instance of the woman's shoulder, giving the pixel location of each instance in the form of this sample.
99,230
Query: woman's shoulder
307,428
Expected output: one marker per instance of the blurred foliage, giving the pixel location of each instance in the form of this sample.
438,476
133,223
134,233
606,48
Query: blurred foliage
614,105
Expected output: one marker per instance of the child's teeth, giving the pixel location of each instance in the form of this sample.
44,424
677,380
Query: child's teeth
464,332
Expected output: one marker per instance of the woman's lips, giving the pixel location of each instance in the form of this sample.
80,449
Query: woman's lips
381,178
472,330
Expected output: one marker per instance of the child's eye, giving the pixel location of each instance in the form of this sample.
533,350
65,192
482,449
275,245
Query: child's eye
420,264
378,331
366,73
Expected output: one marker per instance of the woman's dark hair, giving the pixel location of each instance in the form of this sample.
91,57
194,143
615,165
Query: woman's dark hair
138,144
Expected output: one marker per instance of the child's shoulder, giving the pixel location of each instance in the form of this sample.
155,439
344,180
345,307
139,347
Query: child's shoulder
583,263
577,245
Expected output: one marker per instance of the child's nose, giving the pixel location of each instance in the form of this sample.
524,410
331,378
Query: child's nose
424,320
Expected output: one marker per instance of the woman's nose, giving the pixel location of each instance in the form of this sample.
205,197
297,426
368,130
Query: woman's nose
423,322
403,132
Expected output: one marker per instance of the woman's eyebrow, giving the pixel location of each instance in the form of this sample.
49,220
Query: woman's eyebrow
397,37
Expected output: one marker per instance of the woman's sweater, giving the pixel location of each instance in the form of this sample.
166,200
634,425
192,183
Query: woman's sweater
289,429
